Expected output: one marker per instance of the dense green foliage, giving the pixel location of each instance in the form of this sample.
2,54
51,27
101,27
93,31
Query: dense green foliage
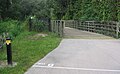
13,27
105,10
21,9
39,26
100,10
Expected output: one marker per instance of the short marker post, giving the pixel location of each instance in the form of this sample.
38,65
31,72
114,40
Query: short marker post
9,51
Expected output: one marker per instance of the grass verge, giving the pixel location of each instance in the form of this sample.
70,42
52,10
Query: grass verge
27,50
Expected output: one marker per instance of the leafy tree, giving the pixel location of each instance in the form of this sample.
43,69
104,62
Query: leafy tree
100,10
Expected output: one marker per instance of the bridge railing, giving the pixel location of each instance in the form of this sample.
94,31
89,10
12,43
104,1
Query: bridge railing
57,27
107,28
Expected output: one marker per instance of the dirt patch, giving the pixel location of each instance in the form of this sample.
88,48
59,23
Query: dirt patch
4,64
41,35
37,36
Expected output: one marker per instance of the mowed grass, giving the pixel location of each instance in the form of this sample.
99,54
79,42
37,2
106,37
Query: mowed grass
27,50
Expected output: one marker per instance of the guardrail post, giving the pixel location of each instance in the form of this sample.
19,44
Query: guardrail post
9,51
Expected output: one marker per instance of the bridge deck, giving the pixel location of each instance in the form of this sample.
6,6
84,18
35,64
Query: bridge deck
74,33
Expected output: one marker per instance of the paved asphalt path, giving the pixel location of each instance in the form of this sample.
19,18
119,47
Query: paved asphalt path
81,56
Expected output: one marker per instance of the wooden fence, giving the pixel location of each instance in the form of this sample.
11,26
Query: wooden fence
57,27
107,28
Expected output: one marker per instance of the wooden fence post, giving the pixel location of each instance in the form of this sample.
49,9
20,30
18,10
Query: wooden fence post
88,26
61,28
55,26
117,29
64,25
79,25
51,25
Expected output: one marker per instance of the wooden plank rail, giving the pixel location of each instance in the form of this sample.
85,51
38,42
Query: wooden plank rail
110,28
57,27
107,28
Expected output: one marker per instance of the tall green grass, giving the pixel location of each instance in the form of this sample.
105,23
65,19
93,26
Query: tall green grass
27,50
39,26
13,27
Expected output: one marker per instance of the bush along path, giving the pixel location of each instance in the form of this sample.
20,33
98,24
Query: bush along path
27,48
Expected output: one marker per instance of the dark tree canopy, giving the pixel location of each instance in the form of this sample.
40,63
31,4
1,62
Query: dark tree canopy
101,10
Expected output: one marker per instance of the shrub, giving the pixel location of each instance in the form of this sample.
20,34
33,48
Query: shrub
39,25
12,27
